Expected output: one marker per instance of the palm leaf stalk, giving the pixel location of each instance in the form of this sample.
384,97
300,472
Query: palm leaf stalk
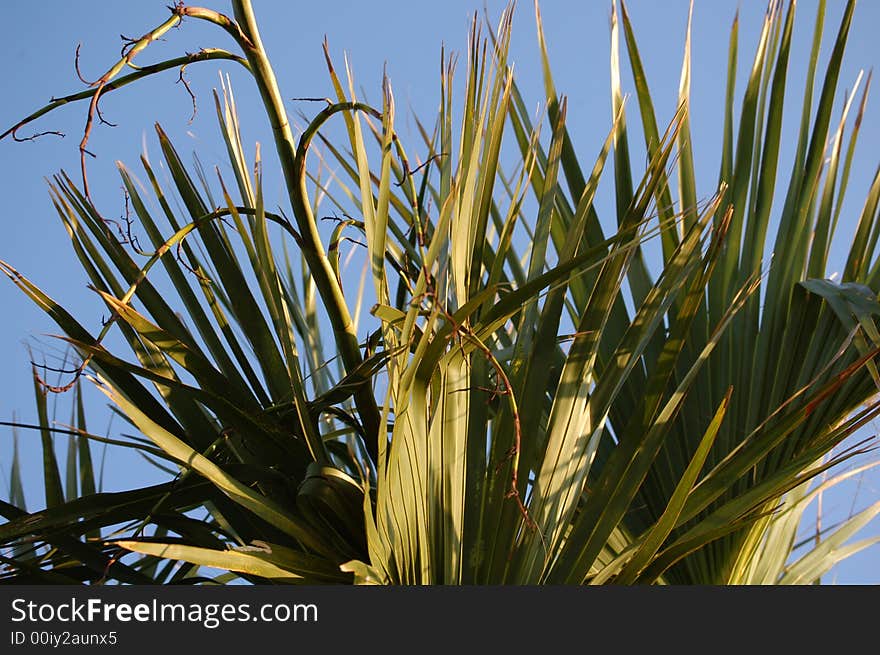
531,405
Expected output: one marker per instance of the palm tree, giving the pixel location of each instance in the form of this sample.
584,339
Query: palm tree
530,404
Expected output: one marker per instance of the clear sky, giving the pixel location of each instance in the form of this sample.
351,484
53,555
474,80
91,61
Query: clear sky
38,62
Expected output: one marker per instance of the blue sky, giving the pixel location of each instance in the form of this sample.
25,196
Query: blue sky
403,35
